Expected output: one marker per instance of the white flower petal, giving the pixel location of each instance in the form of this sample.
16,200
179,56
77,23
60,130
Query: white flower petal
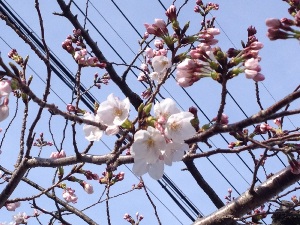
112,130
165,108
113,111
156,170
148,144
91,133
179,127
140,167
160,63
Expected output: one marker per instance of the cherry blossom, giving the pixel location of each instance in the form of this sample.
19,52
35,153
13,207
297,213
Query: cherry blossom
147,145
164,109
20,218
57,155
174,152
69,195
113,112
155,170
91,132
161,64
179,127
189,71
12,206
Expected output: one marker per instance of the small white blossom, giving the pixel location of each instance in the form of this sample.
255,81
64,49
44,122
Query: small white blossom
148,145
164,109
113,111
161,63
20,218
174,152
155,170
179,127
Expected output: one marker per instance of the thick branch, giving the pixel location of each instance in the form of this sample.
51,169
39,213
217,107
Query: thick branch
203,184
13,182
254,119
246,202
72,160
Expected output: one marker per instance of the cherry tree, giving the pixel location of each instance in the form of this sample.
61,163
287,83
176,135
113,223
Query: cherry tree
148,130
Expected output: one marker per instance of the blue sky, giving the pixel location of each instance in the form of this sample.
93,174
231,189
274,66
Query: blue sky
234,17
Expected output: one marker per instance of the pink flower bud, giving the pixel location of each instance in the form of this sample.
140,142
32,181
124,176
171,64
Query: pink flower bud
88,188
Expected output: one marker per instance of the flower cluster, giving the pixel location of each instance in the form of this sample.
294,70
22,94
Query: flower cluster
110,178
204,9
162,143
113,113
201,61
57,155
20,218
159,28
13,54
69,195
40,142
282,29
129,218
79,52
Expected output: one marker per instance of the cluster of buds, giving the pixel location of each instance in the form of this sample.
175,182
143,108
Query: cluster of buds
13,54
76,39
79,52
158,51
40,142
110,178
224,120
101,80
69,195
248,56
20,218
204,9
57,155
202,60
282,29
129,218
229,197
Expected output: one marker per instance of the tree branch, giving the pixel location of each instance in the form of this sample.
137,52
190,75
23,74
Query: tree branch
246,202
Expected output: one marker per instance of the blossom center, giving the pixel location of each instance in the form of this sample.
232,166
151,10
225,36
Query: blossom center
118,112
150,143
175,126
